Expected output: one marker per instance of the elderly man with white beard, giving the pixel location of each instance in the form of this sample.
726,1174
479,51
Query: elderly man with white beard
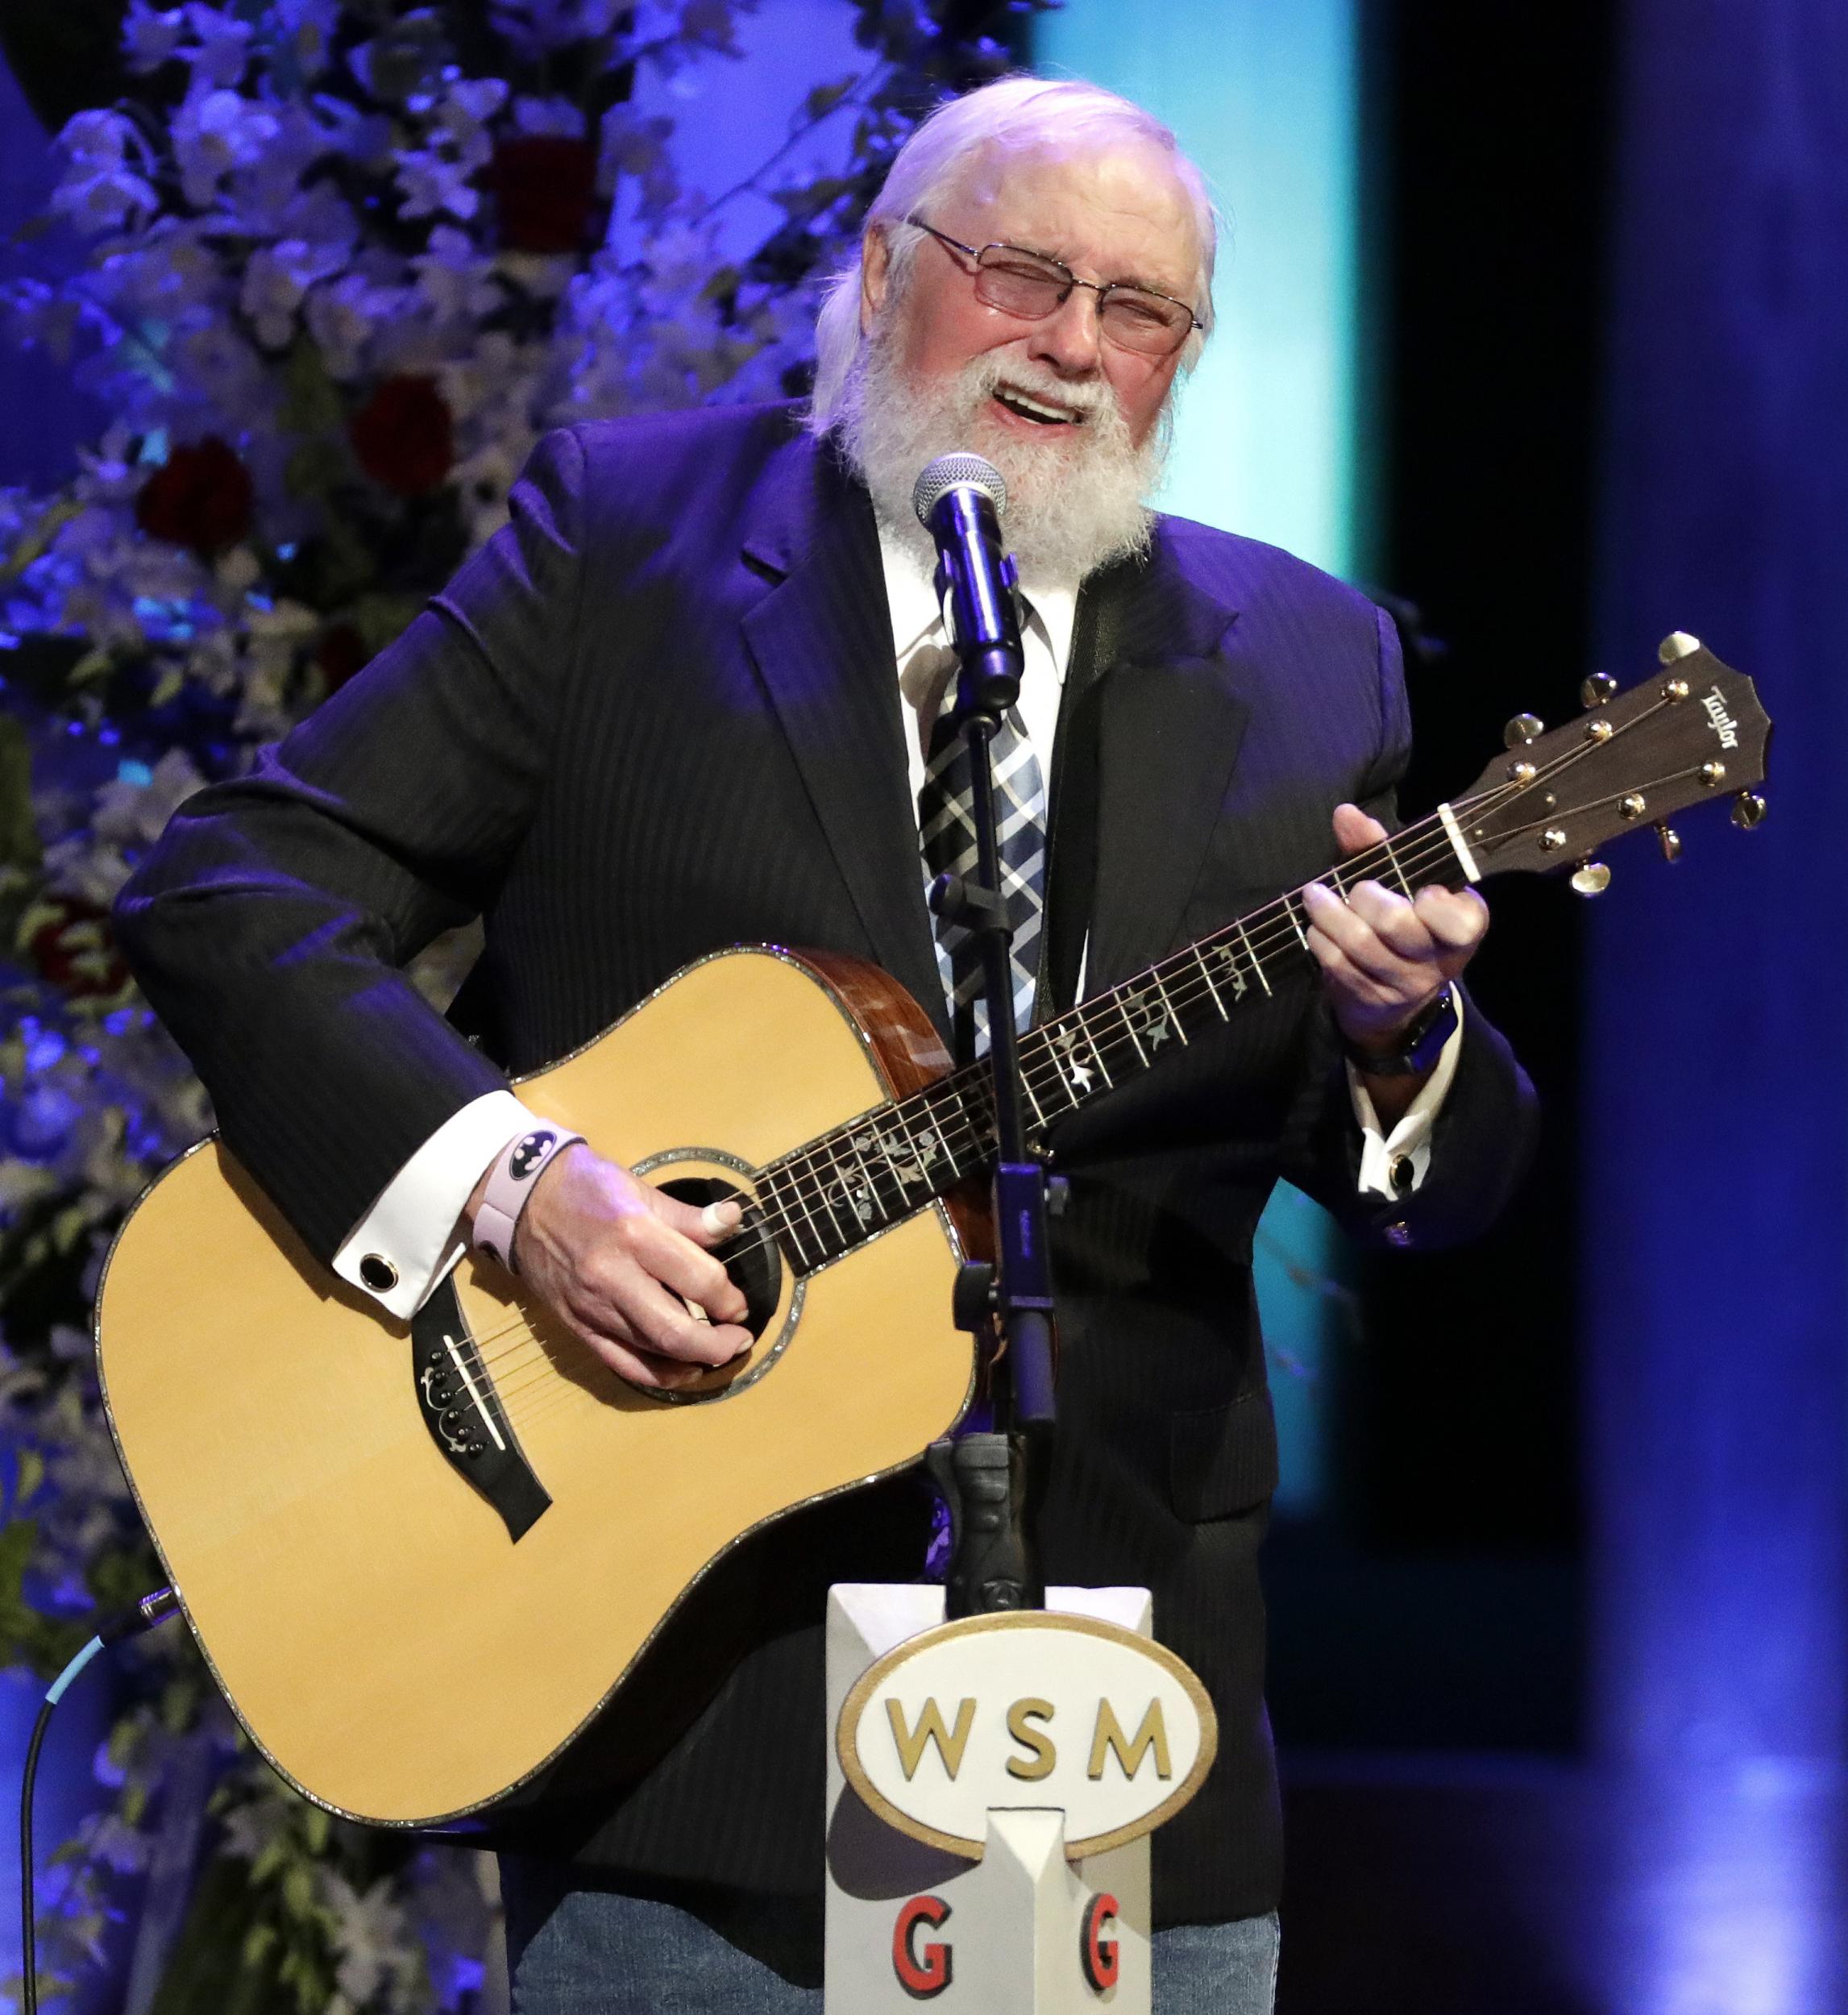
694,694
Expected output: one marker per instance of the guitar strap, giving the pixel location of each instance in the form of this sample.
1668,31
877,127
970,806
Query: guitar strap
1072,789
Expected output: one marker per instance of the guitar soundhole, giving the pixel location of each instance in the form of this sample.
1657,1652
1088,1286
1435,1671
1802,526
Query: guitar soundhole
749,1255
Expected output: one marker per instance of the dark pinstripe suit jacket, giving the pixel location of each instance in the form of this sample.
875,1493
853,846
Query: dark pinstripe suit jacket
659,714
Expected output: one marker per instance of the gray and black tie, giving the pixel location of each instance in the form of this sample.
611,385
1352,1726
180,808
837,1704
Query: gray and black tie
947,829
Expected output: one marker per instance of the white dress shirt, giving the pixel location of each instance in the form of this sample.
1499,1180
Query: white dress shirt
412,1226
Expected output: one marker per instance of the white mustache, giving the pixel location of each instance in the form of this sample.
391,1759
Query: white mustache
987,375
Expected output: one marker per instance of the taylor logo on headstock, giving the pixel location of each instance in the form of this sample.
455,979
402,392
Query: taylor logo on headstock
1724,725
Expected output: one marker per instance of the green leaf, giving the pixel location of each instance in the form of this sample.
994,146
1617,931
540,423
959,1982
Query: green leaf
297,1890
29,1474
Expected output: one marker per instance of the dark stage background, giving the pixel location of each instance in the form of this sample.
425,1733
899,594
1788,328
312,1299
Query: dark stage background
1557,1653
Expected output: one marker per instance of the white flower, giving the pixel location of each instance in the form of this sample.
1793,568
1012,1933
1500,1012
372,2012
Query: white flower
469,102
308,26
224,44
228,374
265,188
432,181
164,273
214,132
373,1936
149,38
456,279
274,281
342,318
100,190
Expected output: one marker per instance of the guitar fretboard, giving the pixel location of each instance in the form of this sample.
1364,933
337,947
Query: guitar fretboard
824,1198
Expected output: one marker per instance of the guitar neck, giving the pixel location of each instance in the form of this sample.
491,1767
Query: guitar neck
833,1194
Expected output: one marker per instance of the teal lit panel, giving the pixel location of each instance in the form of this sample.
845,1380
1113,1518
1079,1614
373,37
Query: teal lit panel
1266,98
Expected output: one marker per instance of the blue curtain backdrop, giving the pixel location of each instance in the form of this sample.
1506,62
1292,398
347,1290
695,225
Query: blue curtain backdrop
1716,1095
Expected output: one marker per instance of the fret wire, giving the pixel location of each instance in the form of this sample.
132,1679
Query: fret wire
1206,974
1122,1008
807,1188
1155,974
791,1167
1303,936
789,1224
1257,963
827,1200
901,1181
1038,1051
1386,847
1027,1086
1097,1054
876,1204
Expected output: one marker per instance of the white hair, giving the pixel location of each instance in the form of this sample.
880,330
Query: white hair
1023,113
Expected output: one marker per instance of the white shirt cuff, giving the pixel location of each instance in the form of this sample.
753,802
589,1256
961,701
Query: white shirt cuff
407,1241
1404,1153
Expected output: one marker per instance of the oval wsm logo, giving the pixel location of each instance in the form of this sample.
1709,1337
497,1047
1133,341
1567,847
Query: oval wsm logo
1032,1709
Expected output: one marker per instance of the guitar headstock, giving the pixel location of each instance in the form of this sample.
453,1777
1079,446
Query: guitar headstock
1632,759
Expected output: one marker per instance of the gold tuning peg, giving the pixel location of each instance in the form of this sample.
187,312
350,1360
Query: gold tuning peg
1671,842
1748,810
1676,644
1592,877
1597,689
1523,728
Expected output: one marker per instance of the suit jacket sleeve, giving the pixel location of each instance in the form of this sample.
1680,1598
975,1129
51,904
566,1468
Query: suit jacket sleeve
268,925
1483,1137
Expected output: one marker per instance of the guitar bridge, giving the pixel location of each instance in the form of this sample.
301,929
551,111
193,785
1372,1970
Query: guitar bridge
464,1415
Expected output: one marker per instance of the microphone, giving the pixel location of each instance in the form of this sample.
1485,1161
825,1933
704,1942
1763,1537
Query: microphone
959,500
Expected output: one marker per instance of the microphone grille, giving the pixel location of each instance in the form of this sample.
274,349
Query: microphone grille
961,471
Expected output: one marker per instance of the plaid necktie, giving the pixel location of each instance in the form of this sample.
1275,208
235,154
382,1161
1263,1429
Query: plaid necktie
947,829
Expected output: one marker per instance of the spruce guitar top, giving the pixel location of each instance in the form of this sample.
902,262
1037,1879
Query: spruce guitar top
364,1518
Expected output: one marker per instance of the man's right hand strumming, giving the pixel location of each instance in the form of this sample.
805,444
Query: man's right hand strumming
623,1265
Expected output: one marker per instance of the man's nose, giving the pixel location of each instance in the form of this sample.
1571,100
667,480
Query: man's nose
1069,339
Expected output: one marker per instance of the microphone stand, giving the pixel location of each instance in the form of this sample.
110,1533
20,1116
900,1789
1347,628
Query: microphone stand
995,1481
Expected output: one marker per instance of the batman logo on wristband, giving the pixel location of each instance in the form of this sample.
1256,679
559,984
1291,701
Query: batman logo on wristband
528,1154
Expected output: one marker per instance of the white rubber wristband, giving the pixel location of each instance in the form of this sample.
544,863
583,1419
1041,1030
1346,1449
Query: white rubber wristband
509,1184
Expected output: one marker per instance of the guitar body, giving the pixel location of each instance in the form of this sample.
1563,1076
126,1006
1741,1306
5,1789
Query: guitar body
398,1645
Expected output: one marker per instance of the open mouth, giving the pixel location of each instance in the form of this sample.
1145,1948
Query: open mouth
1040,411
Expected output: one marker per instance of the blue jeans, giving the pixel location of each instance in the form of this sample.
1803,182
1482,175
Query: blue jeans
577,1952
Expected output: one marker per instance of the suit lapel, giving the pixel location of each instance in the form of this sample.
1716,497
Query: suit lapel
1172,720
822,640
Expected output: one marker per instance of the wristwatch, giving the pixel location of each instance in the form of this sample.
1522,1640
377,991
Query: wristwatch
1421,1047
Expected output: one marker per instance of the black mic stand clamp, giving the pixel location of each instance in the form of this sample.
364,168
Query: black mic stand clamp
995,1481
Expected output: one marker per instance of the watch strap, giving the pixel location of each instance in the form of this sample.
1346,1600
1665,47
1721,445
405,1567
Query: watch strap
1422,1044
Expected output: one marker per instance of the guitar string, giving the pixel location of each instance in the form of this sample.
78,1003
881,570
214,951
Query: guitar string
973,1130
1430,841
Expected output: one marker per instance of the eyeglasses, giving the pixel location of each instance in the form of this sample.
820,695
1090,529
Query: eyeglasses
1031,285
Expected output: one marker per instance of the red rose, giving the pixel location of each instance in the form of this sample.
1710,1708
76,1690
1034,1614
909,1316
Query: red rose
340,653
76,953
404,437
199,496
545,186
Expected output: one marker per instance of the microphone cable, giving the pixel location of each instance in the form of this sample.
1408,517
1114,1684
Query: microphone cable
153,1608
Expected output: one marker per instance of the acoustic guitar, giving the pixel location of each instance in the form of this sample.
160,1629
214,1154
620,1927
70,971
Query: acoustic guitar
367,1519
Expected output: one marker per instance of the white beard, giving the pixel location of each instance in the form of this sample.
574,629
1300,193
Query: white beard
1074,501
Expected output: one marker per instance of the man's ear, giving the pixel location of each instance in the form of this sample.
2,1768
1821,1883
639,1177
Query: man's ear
875,274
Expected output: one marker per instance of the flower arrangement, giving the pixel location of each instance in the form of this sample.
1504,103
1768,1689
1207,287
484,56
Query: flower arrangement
343,261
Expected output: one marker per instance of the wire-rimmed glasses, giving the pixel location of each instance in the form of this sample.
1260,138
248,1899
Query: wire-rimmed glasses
1032,285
